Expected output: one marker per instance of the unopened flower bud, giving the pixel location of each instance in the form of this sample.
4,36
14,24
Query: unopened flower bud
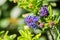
30,5
41,24
51,23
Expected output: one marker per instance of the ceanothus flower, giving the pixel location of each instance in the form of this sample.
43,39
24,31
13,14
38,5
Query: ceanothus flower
43,11
31,21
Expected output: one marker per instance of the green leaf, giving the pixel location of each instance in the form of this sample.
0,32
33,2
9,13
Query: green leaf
5,36
36,37
26,35
57,20
1,32
58,38
26,4
12,36
50,11
43,38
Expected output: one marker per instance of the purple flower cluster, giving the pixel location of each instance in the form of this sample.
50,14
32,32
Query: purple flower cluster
43,11
31,21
